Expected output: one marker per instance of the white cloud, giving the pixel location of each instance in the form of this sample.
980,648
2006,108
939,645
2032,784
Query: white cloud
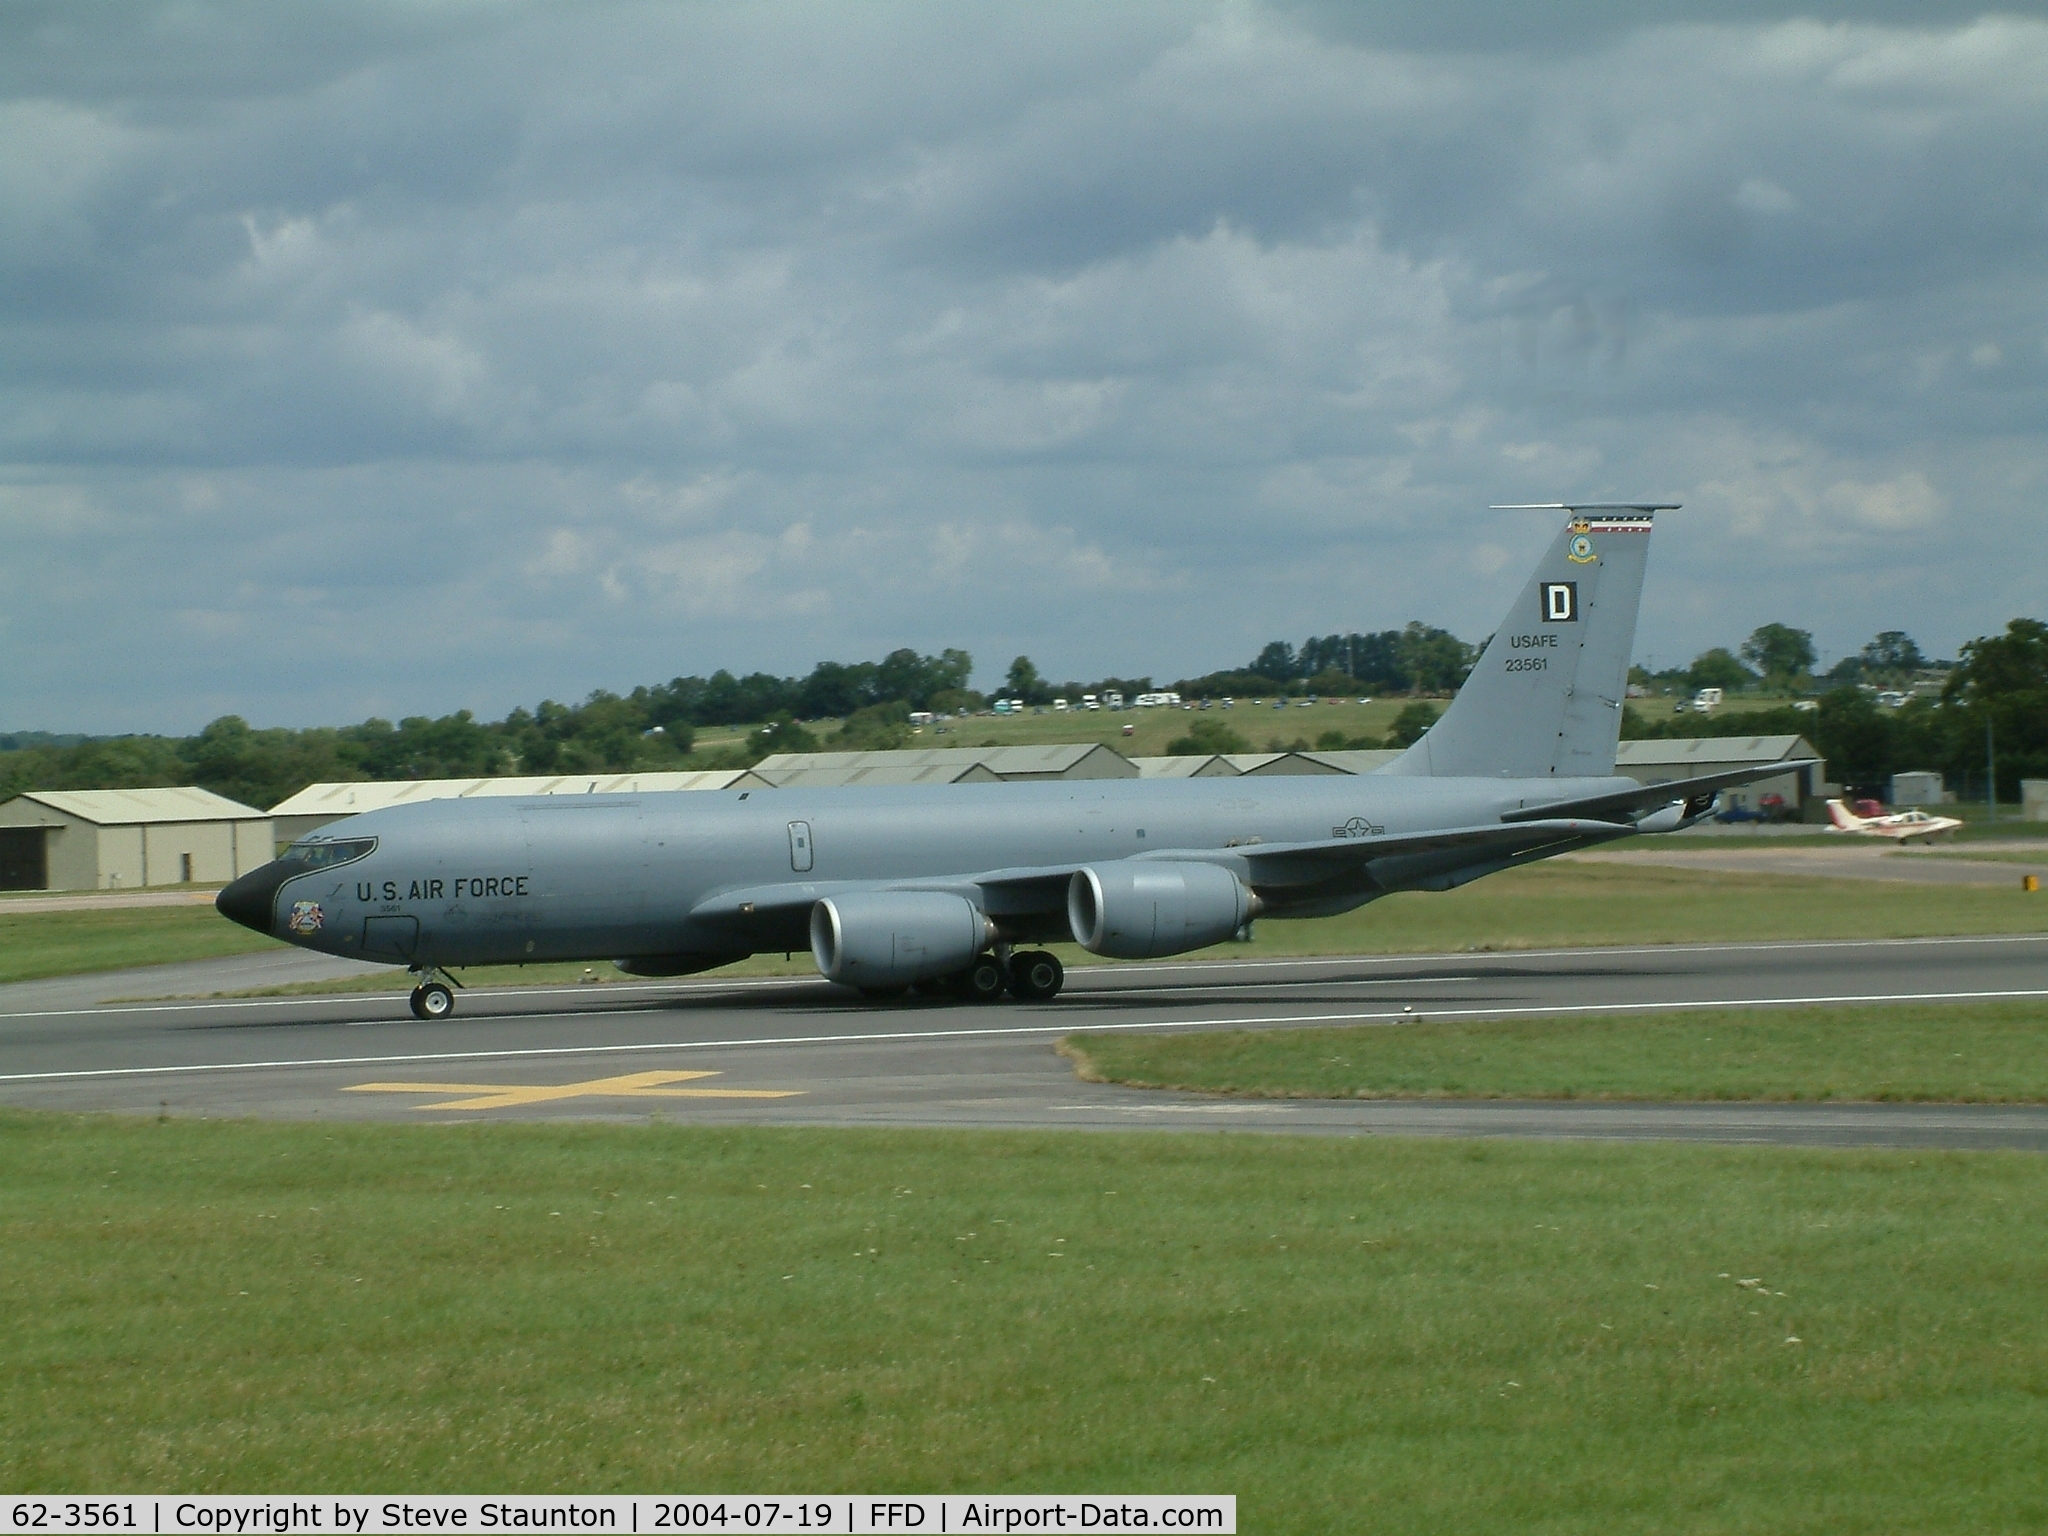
1905,504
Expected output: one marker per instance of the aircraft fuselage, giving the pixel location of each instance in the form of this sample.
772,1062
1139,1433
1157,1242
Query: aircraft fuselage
453,883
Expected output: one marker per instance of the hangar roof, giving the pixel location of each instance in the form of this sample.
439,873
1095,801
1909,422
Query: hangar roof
1226,764
1277,764
1090,760
1355,760
132,807
880,773
347,799
1201,765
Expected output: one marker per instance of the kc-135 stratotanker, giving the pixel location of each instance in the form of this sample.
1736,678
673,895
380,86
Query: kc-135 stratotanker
947,887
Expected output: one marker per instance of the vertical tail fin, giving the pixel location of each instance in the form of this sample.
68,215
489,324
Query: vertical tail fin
1845,820
1544,699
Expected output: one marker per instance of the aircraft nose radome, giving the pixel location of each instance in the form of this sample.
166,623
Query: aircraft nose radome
252,900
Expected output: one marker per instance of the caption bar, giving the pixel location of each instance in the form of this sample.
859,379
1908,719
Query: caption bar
657,1515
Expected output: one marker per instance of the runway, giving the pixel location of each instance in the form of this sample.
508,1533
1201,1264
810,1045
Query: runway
2002,863
801,1052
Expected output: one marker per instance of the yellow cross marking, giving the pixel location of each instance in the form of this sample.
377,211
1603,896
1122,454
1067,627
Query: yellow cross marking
634,1085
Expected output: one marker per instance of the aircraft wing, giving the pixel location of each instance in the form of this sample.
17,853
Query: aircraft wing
999,892
1334,868
1650,796
1340,868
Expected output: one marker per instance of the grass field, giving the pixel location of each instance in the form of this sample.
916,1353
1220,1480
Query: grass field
36,944
1950,1053
1383,1335
1553,905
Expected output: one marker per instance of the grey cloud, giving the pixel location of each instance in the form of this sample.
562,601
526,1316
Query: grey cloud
419,357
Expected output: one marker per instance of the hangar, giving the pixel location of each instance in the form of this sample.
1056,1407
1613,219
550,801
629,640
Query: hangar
318,804
116,839
1804,789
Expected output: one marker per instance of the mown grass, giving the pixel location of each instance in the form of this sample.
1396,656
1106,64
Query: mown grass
1546,906
1946,1053
1348,1335
1563,905
39,944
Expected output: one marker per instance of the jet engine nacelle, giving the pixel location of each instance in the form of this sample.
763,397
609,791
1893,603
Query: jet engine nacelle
892,938
1140,909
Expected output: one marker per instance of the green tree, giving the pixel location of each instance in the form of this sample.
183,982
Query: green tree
260,768
1409,725
835,690
1023,682
1276,662
780,735
1204,737
1435,660
1855,736
950,701
2001,681
1892,651
1779,651
1718,669
877,728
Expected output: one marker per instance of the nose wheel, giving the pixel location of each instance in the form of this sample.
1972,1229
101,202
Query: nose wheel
432,999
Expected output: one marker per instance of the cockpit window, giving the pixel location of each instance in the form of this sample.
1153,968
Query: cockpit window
321,853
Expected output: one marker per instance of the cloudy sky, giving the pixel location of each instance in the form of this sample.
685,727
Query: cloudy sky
393,359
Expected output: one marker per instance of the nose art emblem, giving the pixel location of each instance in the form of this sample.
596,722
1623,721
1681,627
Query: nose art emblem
306,917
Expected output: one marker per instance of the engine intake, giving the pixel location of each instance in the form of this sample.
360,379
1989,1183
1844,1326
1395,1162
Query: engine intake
892,938
1141,909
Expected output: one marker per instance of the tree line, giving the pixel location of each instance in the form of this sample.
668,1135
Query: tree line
1991,706
1999,681
653,728
1778,657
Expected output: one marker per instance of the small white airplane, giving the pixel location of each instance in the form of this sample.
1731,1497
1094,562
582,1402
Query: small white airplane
1899,826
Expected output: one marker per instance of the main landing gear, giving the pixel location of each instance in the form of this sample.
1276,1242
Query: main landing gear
431,999
1036,976
1028,975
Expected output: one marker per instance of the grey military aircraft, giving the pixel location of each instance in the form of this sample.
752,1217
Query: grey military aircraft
946,888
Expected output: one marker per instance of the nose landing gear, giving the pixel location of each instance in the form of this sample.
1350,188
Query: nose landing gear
431,999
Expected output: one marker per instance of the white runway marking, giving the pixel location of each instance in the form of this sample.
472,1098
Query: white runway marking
1153,968
1069,1027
